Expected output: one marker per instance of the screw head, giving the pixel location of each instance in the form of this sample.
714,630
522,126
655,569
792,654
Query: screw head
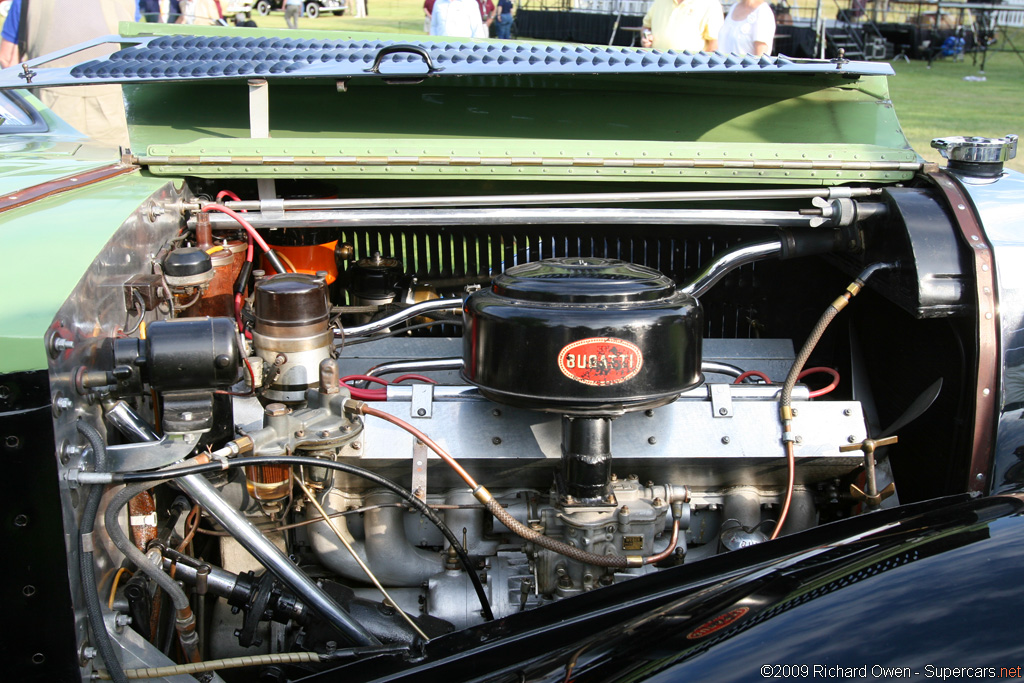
851,439
723,411
726,440
421,412
496,440
847,412
652,440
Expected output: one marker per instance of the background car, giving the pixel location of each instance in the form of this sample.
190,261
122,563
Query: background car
311,9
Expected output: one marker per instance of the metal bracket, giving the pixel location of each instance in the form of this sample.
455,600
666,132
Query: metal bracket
419,469
149,455
721,400
422,404
259,127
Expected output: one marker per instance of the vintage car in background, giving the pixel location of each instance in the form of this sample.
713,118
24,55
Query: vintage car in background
391,358
311,9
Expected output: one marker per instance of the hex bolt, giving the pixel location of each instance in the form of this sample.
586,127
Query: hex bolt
356,446
122,620
62,403
649,413
633,477
89,653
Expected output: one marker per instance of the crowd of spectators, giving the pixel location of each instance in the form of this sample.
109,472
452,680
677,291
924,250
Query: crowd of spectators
748,27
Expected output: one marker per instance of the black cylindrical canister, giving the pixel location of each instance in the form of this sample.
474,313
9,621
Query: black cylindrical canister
582,336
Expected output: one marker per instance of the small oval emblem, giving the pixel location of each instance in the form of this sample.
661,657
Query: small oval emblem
717,624
600,361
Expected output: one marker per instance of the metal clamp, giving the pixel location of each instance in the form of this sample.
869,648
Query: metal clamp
721,400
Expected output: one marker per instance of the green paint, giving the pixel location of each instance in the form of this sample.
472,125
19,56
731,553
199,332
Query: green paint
48,245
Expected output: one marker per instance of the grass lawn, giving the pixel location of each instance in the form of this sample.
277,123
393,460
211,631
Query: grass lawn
930,103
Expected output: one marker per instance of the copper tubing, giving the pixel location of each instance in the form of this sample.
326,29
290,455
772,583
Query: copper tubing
185,625
671,545
790,484
427,441
785,397
513,524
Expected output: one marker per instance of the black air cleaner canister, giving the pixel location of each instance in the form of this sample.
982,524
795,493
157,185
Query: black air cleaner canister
582,336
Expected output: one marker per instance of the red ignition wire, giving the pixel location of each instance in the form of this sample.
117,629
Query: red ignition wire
363,378
369,394
418,378
229,194
241,221
753,373
826,389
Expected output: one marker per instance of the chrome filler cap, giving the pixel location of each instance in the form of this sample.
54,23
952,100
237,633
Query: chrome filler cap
976,155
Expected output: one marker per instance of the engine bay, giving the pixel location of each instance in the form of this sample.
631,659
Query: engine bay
351,425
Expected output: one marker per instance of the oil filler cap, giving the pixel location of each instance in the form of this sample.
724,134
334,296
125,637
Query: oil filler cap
188,266
977,156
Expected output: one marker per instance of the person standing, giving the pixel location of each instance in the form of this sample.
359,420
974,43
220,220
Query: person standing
749,29
457,19
683,25
428,9
487,12
504,22
292,12
45,26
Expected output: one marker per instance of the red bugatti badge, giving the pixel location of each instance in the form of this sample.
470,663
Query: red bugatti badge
600,361
717,624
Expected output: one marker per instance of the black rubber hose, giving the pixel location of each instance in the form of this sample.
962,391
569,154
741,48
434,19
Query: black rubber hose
111,518
407,496
87,568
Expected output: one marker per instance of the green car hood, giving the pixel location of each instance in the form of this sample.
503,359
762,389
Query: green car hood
224,101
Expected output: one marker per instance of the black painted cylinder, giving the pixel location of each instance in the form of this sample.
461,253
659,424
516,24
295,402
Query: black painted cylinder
586,457
582,336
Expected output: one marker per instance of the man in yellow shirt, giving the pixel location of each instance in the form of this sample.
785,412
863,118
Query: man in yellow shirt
683,25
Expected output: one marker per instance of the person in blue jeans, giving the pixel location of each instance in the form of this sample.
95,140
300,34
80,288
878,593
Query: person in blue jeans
504,23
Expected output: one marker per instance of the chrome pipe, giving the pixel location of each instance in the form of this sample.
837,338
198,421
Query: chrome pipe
465,392
365,218
563,198
128,423
422,365
402,316
730,261
720,368
270,556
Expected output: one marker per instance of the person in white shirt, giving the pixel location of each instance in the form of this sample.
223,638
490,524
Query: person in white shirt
749,28
457,19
